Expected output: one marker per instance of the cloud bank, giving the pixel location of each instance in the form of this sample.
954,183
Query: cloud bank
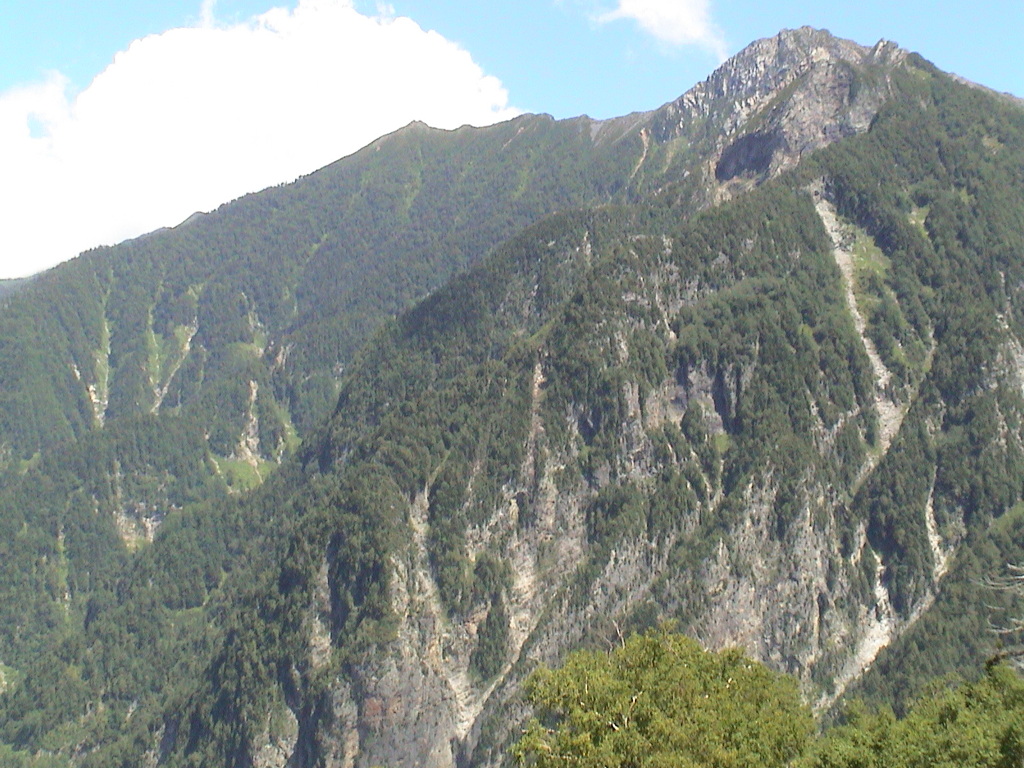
675,22
193,117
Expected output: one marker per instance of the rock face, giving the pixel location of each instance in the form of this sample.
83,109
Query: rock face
778,100
813,82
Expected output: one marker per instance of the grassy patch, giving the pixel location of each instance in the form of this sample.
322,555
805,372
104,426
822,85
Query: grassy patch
870,267
164,353
868,258
101,369
27,465
242,351
260,338
1005,522
154,352
291,436
240,475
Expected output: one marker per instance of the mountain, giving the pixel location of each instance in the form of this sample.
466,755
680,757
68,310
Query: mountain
304,271
229,334
750,361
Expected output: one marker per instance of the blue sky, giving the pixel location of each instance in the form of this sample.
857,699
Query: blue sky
549,53
120,116
553,58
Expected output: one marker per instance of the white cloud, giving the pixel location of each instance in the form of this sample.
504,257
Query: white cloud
677,22
193,117
206,13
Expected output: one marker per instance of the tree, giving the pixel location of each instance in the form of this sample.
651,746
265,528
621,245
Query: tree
976,725
661,700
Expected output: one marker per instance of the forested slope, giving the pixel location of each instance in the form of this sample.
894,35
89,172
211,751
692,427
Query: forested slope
786,421
183,366
282,285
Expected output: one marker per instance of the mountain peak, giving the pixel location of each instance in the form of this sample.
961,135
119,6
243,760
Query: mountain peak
768,66
779,98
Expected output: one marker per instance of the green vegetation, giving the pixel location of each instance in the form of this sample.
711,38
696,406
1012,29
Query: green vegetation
239,474
283,286
952,638
660,700
687,382
981,724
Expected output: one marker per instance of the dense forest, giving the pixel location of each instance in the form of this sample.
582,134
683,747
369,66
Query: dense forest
325,476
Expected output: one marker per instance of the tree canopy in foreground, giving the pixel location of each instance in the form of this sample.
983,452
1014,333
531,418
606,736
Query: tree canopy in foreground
661,700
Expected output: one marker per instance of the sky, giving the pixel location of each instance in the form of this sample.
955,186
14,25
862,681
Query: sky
118,117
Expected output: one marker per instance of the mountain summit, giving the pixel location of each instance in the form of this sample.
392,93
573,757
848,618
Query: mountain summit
779,99
318,479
